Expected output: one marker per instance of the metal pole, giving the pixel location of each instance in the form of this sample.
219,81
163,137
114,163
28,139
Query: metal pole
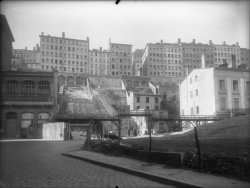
119,131
198,148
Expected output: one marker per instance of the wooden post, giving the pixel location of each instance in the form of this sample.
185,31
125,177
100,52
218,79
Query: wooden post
198,148
119,131
68,131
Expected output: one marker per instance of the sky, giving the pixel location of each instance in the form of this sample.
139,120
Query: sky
129,22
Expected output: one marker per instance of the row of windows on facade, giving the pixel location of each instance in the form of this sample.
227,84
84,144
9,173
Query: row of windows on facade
138,99
197,49
62,41
232,49
121,53
121,73
99,72
120,47
56,61
65,69
222,60
99,54
168,49
99,60
168,62
226,54
121,66
223,103
100,66
196,55
27,87
27,119
124,60
235,84
165,55
166,73
24,55
63,55
165,67
148,108
64,48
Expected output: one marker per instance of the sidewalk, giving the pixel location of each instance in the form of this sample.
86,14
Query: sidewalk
158,172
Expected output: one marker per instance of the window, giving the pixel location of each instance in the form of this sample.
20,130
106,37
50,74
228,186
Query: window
43,88
28,88
197,109
147,99
222,84
138,107
191,94
196,78
156,107
138,99
12,87
236,103
222,104
235,85
196,92
147,107
247,86
156,100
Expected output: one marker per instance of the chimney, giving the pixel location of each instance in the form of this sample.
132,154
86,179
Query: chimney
210,42
109,40
37,47
237,44
100,49
203,60
194,41
34,48
161,41
224,42
233,58
88,39
63,34
179,41
26,48
42,33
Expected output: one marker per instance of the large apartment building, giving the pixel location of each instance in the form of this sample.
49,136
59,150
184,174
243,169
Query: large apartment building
162,59
192,55
64,54
229,54
120,59
99,62
137,62
245,57
26,59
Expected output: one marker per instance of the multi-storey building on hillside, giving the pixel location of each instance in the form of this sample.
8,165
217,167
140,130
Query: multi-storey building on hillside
192,55
26,59
64,54
245,57
162,59
137,62
120,59
99,62
224,53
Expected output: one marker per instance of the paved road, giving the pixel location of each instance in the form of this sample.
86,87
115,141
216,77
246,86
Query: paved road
40,164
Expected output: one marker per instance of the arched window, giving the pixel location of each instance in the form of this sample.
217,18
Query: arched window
43,88
70,81
11,115
12,87
79,81
27,120
42,118
28,87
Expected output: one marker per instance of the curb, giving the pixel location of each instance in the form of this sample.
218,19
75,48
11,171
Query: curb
156,178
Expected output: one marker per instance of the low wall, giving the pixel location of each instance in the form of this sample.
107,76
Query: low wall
54,131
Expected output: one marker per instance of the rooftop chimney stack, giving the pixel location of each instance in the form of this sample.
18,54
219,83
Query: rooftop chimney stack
34,48
100,49
233,58
224,42
210,42
42,33
194,41
26,48
179,41
63,34
161,41
237,44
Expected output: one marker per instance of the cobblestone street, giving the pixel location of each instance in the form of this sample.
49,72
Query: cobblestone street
40,164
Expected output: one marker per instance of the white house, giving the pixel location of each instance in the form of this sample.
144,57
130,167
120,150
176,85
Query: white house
207,91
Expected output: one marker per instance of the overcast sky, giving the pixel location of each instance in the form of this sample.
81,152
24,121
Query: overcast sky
131,22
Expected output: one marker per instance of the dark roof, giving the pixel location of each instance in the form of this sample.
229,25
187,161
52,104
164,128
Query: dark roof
5,27
231,69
